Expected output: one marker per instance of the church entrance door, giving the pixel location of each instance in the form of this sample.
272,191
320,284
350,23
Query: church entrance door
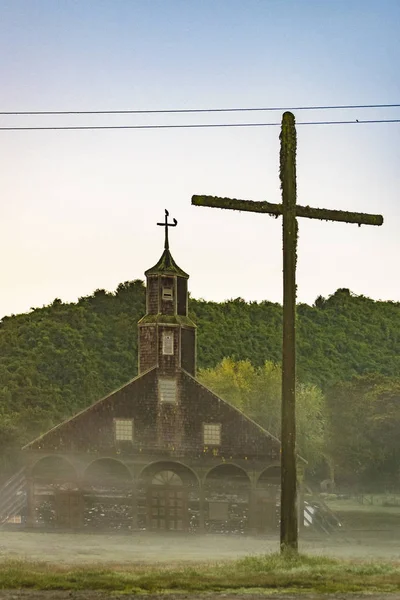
167,502
69,509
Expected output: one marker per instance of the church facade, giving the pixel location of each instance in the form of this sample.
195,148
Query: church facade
162,453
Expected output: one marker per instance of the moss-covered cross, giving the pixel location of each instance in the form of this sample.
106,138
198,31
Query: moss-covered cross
289,211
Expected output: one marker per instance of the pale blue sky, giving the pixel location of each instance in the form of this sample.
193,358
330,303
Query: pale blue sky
79,207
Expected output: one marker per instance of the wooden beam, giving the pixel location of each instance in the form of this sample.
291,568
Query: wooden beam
276,210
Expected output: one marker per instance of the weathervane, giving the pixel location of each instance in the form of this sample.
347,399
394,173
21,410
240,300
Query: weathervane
166,225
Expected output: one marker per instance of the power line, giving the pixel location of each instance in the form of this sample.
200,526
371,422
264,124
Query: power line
195,110
192,126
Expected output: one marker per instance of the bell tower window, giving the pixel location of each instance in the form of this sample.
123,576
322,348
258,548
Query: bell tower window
167,293
168,343
181,296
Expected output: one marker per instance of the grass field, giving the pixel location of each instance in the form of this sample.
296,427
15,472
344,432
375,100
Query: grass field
262,573
369,503
362,558
375,512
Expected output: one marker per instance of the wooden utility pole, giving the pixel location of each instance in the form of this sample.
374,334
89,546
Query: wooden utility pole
289,211
289,526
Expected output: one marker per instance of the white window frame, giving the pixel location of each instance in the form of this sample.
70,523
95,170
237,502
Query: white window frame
168,395
212,434
168,343
168,293
123,430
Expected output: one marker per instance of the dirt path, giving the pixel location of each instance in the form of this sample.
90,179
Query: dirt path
67,548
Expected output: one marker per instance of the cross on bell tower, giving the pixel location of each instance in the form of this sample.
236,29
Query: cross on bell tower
166,225
167,337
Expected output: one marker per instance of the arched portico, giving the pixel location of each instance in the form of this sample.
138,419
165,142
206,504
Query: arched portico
53,469
269,476
227,494
268,499
106,472
109,500
169,496
52,488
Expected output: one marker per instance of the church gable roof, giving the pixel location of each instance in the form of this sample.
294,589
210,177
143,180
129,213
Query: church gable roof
250,434
214,398
79,428
172,427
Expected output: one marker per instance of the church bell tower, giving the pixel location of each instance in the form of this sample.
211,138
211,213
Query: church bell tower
167,337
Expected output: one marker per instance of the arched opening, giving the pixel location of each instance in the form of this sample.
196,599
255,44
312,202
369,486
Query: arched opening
227,497
169,497
54,469
55,500
268,499
270,476
108,496
106,472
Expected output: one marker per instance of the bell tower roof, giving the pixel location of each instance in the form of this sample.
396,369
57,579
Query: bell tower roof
166,265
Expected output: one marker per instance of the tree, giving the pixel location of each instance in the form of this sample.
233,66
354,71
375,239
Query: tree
257,392
364,425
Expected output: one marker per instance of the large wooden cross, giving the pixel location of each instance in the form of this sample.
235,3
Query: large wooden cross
289,211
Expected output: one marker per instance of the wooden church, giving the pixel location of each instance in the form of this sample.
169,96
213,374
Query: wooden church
162,452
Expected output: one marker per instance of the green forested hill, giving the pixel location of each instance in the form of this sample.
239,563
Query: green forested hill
338,337
60,358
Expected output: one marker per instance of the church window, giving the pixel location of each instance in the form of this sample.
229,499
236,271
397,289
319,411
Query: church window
167,390
168,343
167,293
212,434
123,429
167,478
